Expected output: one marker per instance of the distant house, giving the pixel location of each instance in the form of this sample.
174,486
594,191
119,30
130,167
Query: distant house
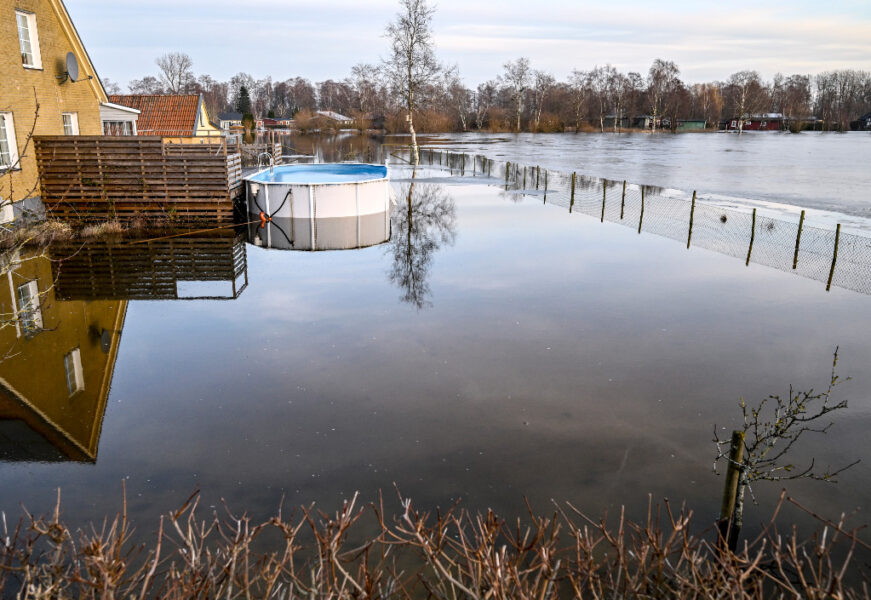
762,122
181,116
863,123
615,121
335,118
646,122
37,43
691,124
275,123
229,120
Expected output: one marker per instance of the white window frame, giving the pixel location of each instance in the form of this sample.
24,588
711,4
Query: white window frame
32,39
29,310
74,373
8,126
71,123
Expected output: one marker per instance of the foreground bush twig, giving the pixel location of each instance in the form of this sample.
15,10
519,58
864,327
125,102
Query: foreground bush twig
446,555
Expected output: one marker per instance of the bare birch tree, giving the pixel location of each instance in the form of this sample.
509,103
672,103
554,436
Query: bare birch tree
176,71
662,79
412,64
747,93
579,82
543,83
516,78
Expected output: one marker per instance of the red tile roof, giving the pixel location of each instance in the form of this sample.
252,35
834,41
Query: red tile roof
167,115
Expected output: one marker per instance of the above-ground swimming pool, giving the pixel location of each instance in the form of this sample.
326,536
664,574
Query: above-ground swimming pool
310,197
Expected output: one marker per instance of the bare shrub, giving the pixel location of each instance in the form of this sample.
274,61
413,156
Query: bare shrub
450,554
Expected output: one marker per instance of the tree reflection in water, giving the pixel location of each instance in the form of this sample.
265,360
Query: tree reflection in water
420,226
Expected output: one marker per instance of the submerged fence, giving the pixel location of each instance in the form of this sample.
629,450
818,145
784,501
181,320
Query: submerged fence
827,255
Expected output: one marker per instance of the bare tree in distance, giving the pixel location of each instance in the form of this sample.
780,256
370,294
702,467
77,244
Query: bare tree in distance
662,78
148,85
176,71
542,85
747,93
517,78
599,80
579,81
412,64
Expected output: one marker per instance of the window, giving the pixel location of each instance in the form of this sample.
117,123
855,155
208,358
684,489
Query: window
73,367
29,311
8,147
28,40
117,128
71,123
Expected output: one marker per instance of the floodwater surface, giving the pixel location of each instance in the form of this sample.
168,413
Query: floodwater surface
497,347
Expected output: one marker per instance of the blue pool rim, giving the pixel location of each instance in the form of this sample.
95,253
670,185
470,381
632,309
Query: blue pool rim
339,167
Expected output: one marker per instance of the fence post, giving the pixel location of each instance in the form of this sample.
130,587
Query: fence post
537,176
572,201
524,178
692,214
623,200
489,166
752,237
545,187
604,191
834,257
463,164
641,217
727,528
798,240
507,170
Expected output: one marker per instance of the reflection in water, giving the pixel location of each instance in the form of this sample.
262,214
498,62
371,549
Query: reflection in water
168,266
69,306
336,233
57,367
424,219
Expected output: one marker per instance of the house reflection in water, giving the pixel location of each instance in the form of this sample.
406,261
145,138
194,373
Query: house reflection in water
56,368
63,310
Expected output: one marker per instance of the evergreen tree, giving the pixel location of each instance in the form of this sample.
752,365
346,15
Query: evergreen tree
243,104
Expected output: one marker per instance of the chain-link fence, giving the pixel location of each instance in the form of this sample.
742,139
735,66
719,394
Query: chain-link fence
826,255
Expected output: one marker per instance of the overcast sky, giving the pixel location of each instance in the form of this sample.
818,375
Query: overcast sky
321,39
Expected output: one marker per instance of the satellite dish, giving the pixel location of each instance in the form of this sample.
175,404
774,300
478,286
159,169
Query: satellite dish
72,67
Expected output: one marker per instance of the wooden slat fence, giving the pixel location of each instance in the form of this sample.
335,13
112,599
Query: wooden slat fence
92,178
148,270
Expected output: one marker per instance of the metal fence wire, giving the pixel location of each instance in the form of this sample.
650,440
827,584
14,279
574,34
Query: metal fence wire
829,256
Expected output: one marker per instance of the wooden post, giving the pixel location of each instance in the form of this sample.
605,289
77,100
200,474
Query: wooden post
692,214
641,217
572,201
463,164
537,176
489,167
726,525
604,191
474,164
545,187
834,257
798,240
524,178
623,201
507,170
752,238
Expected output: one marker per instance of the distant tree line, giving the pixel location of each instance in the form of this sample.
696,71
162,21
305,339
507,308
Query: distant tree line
523,98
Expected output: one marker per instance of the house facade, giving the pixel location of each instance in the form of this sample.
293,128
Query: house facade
37,93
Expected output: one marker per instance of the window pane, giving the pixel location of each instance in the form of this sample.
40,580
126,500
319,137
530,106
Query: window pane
29,312
68,124
73,368
5,156
24,39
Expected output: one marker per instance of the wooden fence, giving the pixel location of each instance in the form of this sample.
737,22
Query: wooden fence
151,269
91,178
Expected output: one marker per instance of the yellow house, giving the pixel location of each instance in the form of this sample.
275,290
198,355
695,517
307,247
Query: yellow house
48,85
56,364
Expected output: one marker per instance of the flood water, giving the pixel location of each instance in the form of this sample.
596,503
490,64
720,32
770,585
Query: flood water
495,348
812,170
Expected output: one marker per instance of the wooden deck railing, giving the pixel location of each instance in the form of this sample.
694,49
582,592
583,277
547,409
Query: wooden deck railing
92,178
